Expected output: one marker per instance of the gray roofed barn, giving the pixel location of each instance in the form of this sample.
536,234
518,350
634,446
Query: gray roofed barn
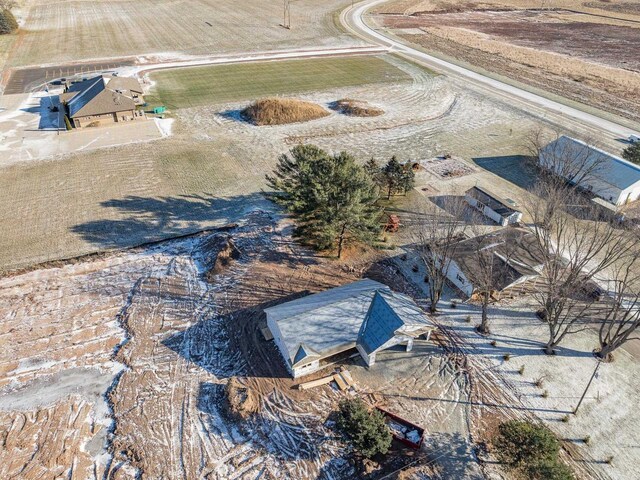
605,175
364,315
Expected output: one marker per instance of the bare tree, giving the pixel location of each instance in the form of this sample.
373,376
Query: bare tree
493,257
576,254
564,163
435,242
620,318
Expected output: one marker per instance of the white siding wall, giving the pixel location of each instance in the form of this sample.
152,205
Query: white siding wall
277,337
485,210
455,275
306,369
629,194
492,214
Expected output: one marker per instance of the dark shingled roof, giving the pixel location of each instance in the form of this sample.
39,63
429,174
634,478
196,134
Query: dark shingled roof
96,97
514,251
491,200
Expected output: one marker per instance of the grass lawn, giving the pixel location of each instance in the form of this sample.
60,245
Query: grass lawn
189,87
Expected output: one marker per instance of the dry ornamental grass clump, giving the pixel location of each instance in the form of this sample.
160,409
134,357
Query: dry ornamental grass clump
356,108
280,111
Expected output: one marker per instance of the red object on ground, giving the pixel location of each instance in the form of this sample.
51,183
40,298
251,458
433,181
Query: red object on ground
397,424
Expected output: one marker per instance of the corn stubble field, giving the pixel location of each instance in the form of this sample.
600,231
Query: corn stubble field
82,29
583,51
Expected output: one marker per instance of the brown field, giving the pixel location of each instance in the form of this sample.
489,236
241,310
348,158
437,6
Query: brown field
212,168
74,328
80,30
590,57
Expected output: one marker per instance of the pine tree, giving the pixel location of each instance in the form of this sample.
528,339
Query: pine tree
366,430
8,23
632,153
373,169
331,196
396,177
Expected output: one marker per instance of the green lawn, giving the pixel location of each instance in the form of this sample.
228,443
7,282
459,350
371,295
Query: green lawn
188,87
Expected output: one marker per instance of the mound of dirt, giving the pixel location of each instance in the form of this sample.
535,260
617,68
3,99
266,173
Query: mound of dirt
239,400
356,108
227,253
280,111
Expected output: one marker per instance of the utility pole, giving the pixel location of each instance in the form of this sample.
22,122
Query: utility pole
593,375
286,22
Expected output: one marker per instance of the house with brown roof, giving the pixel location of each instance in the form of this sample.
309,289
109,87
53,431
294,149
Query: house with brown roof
103,100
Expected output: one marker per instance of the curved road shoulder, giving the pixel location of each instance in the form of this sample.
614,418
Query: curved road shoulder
352,20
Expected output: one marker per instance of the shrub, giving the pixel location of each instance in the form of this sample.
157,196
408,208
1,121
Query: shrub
8,22
521,442
365,430
549,470
279,111
545,394
355,108
521,370
632,153
506,357
67,123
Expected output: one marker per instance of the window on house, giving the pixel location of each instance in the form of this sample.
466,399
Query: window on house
460,278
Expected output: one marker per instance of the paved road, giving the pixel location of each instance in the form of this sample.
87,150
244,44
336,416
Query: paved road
352,20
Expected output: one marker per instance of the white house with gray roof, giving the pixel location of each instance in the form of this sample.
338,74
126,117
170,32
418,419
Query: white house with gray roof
607,176
363,317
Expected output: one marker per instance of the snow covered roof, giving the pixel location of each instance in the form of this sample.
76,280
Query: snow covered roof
608,169
329,322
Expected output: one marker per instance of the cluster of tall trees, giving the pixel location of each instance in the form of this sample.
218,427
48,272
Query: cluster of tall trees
591,274
334,199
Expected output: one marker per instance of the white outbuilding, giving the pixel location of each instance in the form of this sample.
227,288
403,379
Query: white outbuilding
605,175
492,206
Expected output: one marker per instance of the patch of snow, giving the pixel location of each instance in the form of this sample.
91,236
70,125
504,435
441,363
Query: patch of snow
164,125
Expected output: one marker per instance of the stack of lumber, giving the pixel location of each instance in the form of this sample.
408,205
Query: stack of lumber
343,379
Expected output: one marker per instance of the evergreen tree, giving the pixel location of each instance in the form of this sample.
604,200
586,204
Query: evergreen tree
331,196
8,23
632,153
522,443
366,430
396,177
374,171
